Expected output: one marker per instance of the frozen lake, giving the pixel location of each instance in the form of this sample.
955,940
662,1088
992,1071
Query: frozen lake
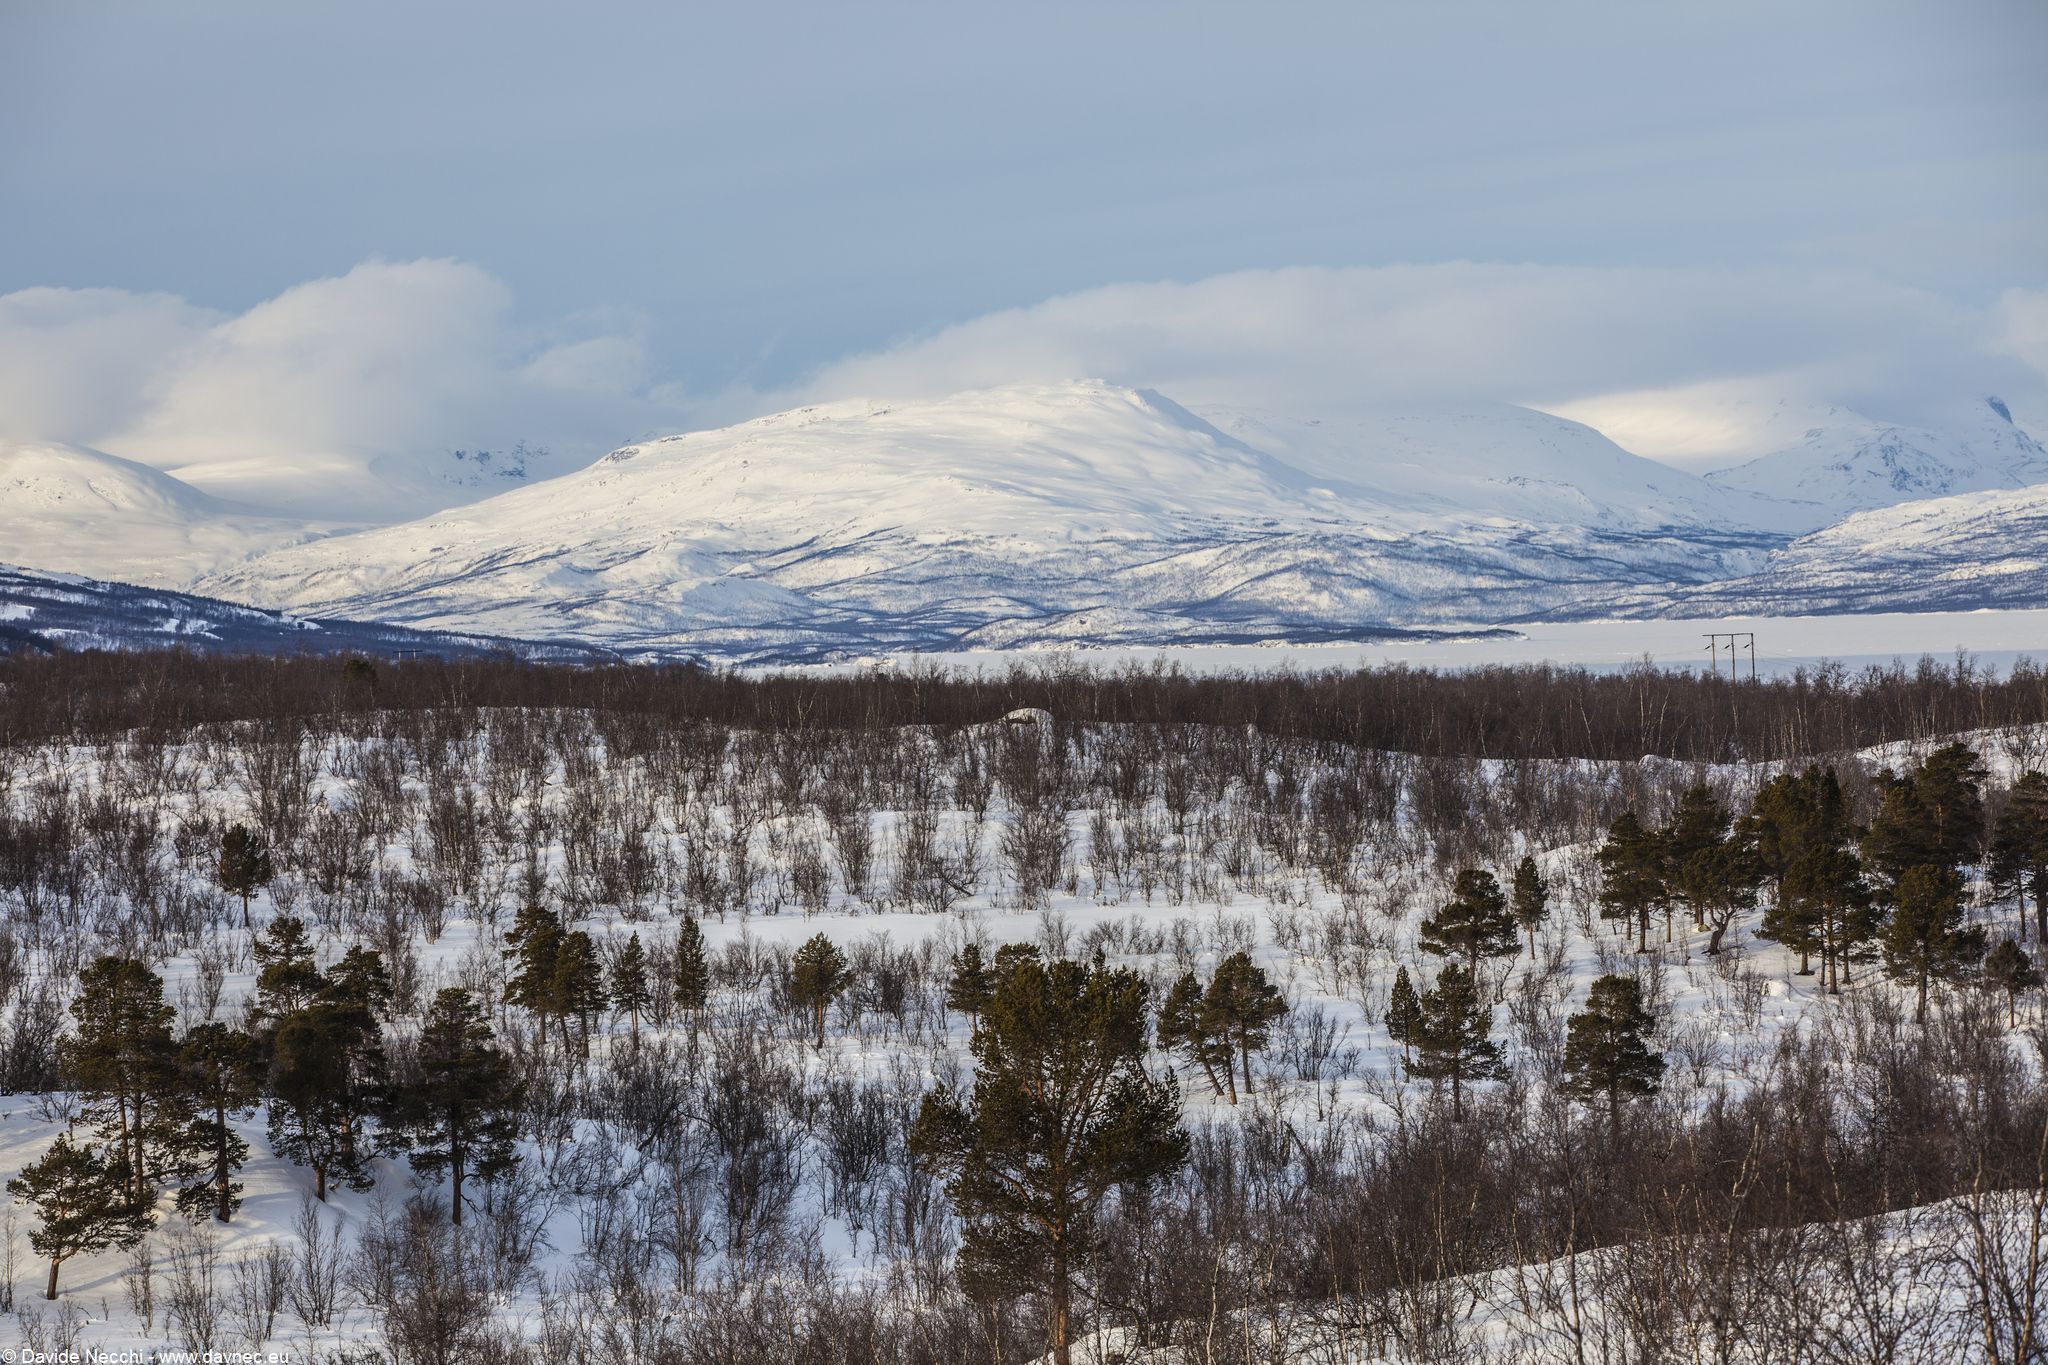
1783,643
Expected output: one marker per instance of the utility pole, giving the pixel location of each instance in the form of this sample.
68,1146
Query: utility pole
1714,647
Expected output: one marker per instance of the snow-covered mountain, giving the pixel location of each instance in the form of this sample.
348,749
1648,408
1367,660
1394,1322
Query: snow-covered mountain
1023,515
1969,552
1837,462
44,611
1499,460
72,510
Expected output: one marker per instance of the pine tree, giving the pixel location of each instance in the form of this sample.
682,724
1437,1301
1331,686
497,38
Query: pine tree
1900,837
1454,1044
1632,875
1720,883
1182,1029
1792,815
629,983
223,1070
1697,831
1824,892
577,990
1404,1013
2019,849
360,980
536,947
818,975
1062,1113
1529,900
1793,920
327,1073
1473,924
1949,787
1933,817
971,984
692,974
245,866
124,1065
317,1100
456,1113
82,1204
287,974
1241,1006
1927,939
1607,1055
2007,968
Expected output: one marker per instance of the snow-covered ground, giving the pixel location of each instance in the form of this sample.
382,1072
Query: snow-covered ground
1331,948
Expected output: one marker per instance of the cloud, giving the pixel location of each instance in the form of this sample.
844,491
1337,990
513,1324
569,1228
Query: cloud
314,396
392,364
1314,339
76,364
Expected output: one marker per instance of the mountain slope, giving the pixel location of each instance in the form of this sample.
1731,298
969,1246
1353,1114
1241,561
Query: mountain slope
73,510
1970,552
1033,514
1842,462
41,611
1500,460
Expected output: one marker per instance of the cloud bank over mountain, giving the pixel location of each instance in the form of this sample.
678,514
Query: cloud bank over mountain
339,386
343,385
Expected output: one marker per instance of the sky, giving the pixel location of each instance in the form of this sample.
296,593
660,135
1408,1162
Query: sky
279,230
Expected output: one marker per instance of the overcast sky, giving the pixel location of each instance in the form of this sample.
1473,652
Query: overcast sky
378,224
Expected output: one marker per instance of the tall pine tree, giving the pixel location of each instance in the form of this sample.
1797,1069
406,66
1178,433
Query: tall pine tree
1927,940
1607,1053
692,974
1183,1029
1454,1044
223,1075
1062,1114
123,1063
455,1113
1240,1008
82,1205
1632,875
2019,849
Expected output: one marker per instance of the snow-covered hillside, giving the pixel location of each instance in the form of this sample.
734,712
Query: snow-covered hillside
1969,552
1840,462
1078,513
72,510
44,612
1498,460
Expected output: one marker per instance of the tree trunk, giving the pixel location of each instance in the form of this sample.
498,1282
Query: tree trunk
1246,1049
50,1291
1643,931
221,1183
1920,1005
1058,1313
320,1182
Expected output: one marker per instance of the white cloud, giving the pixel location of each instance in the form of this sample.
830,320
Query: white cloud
291,402
77,364
1583,340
